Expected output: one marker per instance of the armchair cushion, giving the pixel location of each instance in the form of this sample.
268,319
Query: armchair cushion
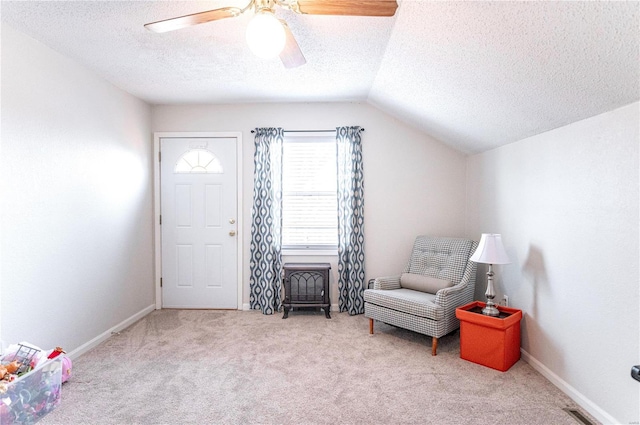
422,283
408,301
389,282
442,258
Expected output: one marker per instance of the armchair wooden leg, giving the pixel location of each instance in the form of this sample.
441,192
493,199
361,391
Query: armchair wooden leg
434,345
371,326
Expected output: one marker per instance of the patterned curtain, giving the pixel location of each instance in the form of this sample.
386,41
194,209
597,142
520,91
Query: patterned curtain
350,220
266,221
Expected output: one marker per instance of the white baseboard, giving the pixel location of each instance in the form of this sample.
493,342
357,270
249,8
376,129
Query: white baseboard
575,395
105,335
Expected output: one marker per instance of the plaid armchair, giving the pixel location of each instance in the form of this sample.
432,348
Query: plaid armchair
438,279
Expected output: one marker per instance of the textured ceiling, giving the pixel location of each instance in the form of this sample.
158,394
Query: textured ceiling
483,74
475,75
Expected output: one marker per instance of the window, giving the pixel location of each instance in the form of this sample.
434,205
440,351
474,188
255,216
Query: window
309,192
198,161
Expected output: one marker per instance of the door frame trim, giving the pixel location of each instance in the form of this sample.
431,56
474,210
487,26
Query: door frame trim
157,232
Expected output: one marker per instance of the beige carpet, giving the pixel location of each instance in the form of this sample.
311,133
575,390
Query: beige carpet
231,367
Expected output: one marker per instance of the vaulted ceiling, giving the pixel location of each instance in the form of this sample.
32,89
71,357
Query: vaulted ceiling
475,75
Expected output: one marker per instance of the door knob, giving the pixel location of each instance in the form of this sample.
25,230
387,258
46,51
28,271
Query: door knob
232,221
232,233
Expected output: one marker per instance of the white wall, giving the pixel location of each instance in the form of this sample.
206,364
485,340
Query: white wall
566,204
76,199
413,184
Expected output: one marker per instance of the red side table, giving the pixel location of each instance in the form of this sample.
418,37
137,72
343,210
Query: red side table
490,341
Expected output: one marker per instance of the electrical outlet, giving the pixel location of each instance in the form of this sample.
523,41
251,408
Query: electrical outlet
505,301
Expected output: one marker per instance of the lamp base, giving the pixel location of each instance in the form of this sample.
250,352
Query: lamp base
490,310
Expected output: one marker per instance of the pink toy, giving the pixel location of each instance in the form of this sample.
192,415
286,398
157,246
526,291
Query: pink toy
66,368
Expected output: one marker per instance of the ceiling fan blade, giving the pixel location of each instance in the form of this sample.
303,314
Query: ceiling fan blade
193,19
348,7
291,56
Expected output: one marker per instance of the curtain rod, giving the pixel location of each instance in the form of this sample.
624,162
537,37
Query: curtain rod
308,131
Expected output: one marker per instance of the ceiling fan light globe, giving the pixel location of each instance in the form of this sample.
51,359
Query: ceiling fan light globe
265,35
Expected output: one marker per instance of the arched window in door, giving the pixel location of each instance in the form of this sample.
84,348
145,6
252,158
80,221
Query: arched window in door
198,161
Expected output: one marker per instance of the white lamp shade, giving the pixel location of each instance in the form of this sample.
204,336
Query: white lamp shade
265,35
490,250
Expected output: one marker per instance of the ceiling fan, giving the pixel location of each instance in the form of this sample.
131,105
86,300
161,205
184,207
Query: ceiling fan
269,36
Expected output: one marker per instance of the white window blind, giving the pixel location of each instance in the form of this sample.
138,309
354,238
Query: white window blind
309,192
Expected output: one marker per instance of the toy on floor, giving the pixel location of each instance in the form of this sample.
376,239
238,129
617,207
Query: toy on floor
9,369
31,383
19,359
66,363
24,357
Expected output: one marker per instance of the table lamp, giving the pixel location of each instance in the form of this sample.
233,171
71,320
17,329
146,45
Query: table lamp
490,251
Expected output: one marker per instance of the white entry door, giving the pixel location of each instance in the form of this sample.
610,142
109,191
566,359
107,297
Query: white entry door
199,215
